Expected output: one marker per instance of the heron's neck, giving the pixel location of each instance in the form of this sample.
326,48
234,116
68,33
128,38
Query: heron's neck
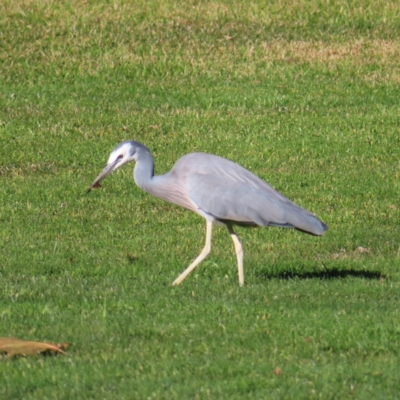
144,169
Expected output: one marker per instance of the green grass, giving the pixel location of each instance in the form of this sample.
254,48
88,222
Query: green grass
303,93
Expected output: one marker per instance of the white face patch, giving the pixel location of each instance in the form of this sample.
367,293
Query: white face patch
121,152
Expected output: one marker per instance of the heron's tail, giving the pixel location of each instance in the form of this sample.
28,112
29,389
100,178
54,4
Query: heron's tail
305,221
318,231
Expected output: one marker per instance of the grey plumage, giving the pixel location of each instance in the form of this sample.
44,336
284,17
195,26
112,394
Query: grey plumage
219,190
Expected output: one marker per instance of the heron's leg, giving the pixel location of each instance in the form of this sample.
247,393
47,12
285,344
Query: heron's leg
204,253
239,254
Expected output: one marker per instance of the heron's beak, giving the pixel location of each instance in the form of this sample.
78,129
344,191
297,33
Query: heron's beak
108,169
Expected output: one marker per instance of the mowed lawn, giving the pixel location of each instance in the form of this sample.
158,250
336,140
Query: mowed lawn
303,93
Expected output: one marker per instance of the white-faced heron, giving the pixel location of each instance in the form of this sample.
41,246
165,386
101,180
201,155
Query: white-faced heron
219,190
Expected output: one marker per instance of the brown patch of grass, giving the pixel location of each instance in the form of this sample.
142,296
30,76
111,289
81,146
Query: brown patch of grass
355,52
82,37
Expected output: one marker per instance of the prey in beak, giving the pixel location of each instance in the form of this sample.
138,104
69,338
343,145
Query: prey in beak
107,170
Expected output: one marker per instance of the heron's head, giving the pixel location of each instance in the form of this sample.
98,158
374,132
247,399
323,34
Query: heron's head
123,153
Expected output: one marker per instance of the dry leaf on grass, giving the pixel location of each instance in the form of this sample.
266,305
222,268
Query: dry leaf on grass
14,347
277,371
341,254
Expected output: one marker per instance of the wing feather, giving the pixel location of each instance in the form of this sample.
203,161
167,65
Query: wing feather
231,193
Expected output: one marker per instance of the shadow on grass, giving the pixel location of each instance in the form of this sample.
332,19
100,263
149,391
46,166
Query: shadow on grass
331,273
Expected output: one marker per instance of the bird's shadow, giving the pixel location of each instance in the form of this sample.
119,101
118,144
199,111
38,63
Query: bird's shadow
325,274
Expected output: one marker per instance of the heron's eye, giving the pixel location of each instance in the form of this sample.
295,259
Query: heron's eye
120,156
